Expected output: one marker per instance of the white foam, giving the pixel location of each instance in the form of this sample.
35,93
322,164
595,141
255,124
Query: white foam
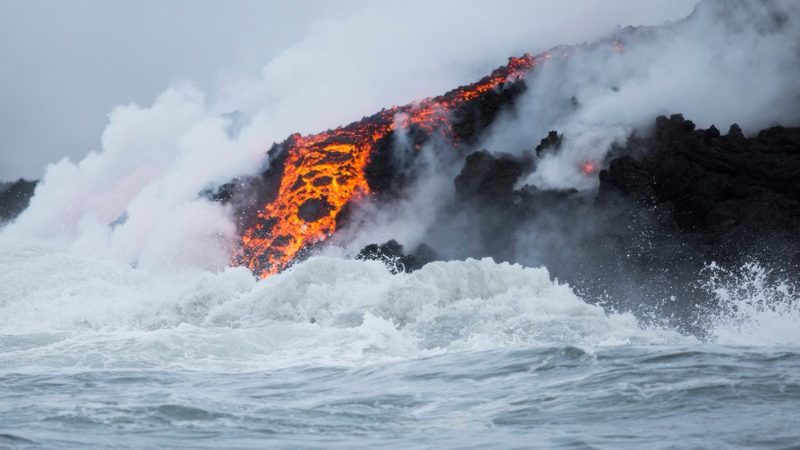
91,312
757,308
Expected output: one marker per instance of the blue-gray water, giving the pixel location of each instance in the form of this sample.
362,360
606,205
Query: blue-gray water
557,397
342,354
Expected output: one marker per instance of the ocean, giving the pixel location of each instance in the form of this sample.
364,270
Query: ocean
337,353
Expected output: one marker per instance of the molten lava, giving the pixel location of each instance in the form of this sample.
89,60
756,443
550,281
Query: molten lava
324,172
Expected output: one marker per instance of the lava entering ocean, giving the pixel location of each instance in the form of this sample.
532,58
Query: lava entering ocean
324,172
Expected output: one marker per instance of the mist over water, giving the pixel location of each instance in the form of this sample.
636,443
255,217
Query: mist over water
122,324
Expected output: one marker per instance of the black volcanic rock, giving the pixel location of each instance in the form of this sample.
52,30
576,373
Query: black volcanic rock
489,211
15,197
727,194
472,118
392,167
490,176
668,204
550,143
391,254
314,209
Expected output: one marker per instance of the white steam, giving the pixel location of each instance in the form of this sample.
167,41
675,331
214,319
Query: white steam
137,200
154,160
730,62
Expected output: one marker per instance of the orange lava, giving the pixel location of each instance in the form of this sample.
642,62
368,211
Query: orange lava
324,172
589,167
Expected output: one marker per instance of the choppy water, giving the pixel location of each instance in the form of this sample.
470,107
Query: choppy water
339,353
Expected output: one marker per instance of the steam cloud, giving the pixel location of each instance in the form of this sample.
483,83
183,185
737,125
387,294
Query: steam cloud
136,199
724,64
728,63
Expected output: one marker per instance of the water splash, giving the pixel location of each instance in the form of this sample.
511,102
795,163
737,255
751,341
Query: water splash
755,306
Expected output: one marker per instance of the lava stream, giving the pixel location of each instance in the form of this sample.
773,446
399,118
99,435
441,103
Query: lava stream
324,172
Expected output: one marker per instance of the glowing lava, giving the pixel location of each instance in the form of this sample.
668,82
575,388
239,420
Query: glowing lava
589,167
324,172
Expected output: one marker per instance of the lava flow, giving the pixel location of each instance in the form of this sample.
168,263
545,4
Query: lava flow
324,172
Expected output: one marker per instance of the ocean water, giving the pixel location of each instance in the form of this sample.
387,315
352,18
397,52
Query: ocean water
338,353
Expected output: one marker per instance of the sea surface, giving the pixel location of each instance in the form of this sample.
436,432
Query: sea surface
337,353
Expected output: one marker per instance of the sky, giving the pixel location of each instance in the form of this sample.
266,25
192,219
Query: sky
67,65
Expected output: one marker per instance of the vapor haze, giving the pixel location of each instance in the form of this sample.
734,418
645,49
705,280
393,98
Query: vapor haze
66,65
729,63
151,161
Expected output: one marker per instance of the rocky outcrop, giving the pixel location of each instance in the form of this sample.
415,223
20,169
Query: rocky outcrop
391,254
490,177
668,204
727,195
15,197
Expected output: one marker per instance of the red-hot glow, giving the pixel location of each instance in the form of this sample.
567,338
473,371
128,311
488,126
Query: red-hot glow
589,167
324,172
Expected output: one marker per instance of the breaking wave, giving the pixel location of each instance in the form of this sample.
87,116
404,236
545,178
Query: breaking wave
59,309
67,309
755,306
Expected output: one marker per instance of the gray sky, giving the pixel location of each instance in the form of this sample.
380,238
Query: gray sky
65,64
